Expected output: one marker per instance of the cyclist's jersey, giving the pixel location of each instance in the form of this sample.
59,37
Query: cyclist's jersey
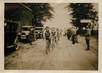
88,31
47,34
53,33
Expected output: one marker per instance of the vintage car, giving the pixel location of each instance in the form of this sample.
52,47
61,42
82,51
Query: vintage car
26,31
38,32
10,36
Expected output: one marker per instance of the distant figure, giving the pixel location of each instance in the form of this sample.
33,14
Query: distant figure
53,37
74,35
87,37
48,39
57,34
69,34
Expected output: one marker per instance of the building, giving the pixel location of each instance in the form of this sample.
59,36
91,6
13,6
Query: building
18,13
16,16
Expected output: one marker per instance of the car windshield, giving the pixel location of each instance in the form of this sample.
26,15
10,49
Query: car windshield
25,28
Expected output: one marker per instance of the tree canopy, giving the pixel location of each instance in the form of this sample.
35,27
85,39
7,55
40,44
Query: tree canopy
41,12
82,11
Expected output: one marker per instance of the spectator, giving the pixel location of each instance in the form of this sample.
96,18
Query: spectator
87,37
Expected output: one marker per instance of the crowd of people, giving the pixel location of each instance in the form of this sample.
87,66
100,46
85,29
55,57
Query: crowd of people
72,34
52,36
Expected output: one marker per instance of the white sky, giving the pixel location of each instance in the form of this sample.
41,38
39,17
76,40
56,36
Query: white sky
61,17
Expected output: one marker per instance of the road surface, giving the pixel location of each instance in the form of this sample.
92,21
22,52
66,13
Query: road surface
65,56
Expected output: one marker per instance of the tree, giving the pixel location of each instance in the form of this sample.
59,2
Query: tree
82,11
41,12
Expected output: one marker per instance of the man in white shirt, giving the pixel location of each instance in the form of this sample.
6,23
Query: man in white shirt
87,37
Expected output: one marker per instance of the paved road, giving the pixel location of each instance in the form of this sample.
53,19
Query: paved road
64,56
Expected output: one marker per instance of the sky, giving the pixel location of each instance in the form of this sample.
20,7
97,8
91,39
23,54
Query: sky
61,18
